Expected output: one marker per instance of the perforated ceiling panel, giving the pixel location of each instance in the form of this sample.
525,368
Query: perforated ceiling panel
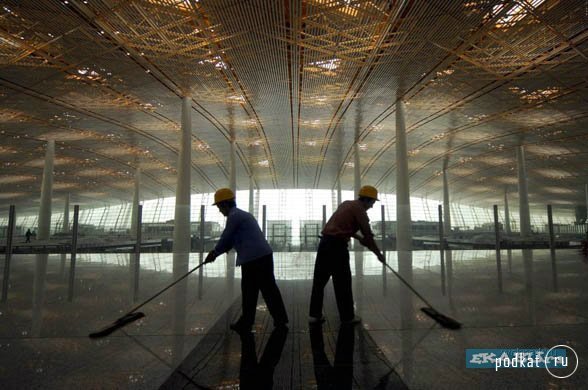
296,83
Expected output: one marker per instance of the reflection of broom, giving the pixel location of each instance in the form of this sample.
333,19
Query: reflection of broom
441,319
132,315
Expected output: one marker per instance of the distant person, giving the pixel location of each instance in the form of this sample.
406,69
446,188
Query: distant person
332,258
28,235
256,259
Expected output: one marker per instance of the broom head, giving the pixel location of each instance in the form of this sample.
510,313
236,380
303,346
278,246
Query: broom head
441,319
122,321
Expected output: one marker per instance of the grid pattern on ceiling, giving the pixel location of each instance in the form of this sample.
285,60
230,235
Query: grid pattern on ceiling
296,84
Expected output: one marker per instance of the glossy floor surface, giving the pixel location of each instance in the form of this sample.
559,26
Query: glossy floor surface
184,342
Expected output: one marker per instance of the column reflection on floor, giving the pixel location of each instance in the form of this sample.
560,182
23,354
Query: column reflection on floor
359,278
38,293
406,313
180,290
529,285
450,281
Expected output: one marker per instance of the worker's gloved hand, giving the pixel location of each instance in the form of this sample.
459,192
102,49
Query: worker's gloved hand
210,257
381,257
363,241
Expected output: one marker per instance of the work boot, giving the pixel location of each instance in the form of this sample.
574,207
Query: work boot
240,327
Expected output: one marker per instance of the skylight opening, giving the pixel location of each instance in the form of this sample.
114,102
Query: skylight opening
16,179
183,5
253,143
236,99
331,64
515,14
202,146
216,60
345,7
315,123
532,96
9,42
445,72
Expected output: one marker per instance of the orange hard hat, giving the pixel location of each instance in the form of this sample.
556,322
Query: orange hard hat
369,192
222,195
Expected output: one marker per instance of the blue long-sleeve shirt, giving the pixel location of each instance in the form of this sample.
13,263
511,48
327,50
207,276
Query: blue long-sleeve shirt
243,233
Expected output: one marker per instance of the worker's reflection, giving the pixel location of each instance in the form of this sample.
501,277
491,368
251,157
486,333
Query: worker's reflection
260,375
340,374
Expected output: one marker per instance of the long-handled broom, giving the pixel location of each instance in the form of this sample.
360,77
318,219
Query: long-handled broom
441,319
133,314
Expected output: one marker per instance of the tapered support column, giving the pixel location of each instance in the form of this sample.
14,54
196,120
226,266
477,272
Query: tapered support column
358,249
233,151
338,192
356,178
44,233
233,186
65,227
506,213
356,163
251,204
524,213
182,211
356,170
134,212
446,207
233,170
46,193
403,219
586,193
181,248
8,251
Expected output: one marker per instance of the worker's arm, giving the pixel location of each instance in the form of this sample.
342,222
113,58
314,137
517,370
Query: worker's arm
369,243
225,242
368,236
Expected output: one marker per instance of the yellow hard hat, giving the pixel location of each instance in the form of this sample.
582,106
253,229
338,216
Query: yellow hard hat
369,192
222,195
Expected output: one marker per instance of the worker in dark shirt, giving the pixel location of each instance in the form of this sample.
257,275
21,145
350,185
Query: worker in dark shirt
255,256
332,258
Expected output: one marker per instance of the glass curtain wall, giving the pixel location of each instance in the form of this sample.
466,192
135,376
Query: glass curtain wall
294,217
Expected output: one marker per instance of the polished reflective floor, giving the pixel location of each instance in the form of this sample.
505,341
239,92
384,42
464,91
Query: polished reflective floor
184,341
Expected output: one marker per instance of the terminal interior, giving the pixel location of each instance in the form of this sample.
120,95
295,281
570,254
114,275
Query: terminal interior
120,119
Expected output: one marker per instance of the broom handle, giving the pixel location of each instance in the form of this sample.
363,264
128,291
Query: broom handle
165,289
399,277
409,286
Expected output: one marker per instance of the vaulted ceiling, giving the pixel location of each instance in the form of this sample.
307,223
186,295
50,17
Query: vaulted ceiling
296,83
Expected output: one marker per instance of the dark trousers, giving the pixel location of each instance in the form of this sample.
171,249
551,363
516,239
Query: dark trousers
332,260
256,276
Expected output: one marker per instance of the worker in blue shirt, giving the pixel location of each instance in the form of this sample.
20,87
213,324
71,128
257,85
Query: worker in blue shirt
255,256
